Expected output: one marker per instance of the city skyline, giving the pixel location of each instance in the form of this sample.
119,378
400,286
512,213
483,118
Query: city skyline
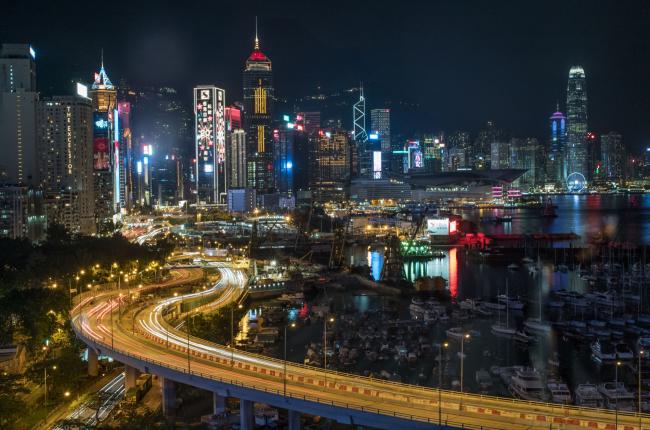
515,88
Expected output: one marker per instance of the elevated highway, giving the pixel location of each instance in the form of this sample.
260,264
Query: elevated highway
145,341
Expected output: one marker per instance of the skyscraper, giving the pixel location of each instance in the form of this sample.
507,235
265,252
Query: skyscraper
105,130
210,135
65,133
612,156
330,165
556,169
18,99
258,114
576,105
360,136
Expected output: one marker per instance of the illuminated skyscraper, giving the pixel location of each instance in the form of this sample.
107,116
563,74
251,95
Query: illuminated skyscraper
612,156
258,114
576,104
65,133
210,143
18,99
105,142
556,168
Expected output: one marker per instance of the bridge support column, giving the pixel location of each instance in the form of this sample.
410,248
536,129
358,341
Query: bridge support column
218,404
92,362
246,417
131,375
168,395
294,420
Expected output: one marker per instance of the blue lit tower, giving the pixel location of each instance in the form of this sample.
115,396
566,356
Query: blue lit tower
556,166
576,105
361,136
258,114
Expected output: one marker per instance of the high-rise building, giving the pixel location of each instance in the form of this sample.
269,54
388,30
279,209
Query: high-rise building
18,99
330,170
612,156
380,124
364,154
105,141
500,155
556,168
309,121
65,136
576,105
123,156
258,114
434,152
237,159
210,135
482,148
526,154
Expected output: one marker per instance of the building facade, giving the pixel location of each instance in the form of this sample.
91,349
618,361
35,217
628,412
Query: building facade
612,156
65,136
210,144
576,106
258,113
556,171
18,100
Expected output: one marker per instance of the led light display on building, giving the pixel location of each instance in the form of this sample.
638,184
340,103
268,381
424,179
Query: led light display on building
439,227
101,160
210,135
376,164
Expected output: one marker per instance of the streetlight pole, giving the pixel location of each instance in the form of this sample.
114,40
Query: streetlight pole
462,363
442,345
285,358
618,363
331,319
641,352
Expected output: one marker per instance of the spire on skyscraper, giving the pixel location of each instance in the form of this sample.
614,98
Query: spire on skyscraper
257,40
101,79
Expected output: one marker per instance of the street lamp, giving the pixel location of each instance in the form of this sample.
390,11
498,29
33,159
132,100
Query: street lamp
641,352
293,324
618,363
330,319
462,362
442,345
232,333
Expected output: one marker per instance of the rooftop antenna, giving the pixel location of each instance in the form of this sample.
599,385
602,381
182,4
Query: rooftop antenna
557,105
257,40
102,58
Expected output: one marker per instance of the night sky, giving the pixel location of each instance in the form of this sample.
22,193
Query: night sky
463,62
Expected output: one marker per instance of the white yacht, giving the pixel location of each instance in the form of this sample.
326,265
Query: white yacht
559,392
527,384
589,396
537,325
511,302
503,330
456,333
617,396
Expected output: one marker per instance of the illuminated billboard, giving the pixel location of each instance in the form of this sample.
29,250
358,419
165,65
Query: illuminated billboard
438,226
376,164
101,150
210,135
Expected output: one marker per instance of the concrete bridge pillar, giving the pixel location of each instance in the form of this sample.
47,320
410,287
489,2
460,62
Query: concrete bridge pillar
246,417
294,420
218,404
131,375
168,395
92,362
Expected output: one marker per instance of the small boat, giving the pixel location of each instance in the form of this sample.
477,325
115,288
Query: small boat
522,336
513,266
511,302
556,304
527,384
494,306
617,396
589,396
623,352
559,392
527,260
537,325
503,330
455,333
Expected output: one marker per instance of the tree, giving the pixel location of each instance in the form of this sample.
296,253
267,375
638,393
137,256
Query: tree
12,407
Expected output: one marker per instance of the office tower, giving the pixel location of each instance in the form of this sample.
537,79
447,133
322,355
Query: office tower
18,99
526,154
105,130
210,135
144,179
500,155
331,166
309,121
456,159
380,124
124,156
612,156
258,114
363,165
167,180
434,152
65,136
233,118
576,104
241,200
237,159
482,148
556,171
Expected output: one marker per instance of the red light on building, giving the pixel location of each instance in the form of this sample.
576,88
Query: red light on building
453,227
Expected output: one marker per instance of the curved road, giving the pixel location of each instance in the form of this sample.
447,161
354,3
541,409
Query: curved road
147,340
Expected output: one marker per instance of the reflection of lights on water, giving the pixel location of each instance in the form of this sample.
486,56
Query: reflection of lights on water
376,262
